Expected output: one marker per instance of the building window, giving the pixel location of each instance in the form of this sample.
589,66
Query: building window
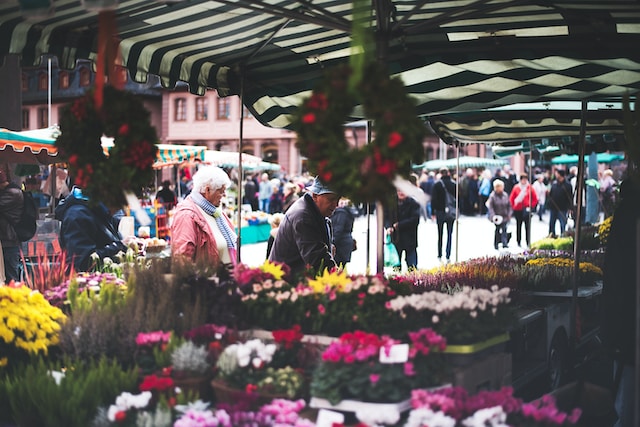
202,109
180,110
43,81
430,154
85,77
224,109
25,119
64,80
246,113
25,83
43,117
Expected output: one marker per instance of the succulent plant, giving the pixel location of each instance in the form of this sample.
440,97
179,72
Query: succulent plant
190,358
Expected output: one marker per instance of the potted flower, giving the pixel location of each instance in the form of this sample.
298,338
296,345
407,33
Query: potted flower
453,406
29,325
367,367
191,369
244,372
465,317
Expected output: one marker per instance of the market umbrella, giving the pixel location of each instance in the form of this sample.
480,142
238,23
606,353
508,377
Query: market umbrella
567,159
462,162
29,147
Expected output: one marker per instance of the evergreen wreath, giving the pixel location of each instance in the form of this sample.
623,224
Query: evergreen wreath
363,174
129,165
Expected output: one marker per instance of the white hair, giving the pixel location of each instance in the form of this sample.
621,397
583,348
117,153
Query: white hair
211,176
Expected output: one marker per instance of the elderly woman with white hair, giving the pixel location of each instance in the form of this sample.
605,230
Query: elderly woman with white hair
500,212
200,230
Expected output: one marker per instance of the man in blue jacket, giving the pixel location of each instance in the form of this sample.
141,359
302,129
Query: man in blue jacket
86,230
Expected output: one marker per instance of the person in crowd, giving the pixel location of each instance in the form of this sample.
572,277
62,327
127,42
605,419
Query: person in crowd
509,177
289,196
619,300
185,182
265,190
11,201
540,188
304,238
500,212
201,231
469,192
250,196
276,199
608,187
274,221
484,190
166,195
61,189
438,204
342,220
523,201
87,229
559,200
427,186
404,229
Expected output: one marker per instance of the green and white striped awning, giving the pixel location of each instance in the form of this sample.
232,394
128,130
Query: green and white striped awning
453,55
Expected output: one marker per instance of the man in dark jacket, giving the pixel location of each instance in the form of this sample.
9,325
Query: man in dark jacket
304,236
439,204
559,202
342,220
404,230
11,202
86,230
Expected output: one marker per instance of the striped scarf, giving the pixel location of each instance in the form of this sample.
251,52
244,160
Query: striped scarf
223,225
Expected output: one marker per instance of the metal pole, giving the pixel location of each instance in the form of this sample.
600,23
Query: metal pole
240,171
380,236
576,240
368,212
528,229
49,93
637,364
457,197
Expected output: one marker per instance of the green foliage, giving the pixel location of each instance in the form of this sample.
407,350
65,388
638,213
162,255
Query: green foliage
36,399
190,359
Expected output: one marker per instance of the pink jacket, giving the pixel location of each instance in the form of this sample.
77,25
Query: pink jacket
191,235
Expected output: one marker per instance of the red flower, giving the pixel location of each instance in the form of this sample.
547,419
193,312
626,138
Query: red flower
120,416
309,118
394,139
288,337
250,388
73,160
318,101
124,129
153,382
140,155
326,177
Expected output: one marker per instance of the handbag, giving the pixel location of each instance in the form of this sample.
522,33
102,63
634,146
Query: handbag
391,258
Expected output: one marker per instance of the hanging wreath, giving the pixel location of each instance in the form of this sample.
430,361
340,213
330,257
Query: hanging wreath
364,174
129,164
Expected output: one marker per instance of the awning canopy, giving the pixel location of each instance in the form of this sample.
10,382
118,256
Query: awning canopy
168,154
453,56
28,147
230,159
522,127
463,162
567,159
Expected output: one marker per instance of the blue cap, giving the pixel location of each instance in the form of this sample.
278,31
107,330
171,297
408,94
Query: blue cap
319,188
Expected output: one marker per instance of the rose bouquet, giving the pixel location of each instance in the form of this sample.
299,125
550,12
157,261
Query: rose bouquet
373,368
464,317
453,407
29,325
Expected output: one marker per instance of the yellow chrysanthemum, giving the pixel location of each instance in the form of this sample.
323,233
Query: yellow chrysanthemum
4,361
336,280
273,269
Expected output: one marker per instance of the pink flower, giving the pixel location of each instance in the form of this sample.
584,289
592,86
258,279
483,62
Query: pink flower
321,309
374,378
408,369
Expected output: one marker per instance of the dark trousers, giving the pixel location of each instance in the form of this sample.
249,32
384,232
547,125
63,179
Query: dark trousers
410,257
556,215
501,235
523,217
441,221
12,267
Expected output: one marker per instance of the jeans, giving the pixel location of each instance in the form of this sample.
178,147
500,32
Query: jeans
12,266
625,397
264,205
441,221
556,215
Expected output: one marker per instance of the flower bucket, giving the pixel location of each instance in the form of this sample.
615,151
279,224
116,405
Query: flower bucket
463,355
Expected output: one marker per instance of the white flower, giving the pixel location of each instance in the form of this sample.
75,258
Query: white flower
435,319
57,376
243,353
198,405
487,417
126,401
373,417
426,417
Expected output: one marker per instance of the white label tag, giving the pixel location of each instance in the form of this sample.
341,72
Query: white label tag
328,418
398,353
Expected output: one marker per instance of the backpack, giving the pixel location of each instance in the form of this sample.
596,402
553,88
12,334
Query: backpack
450,208
26,227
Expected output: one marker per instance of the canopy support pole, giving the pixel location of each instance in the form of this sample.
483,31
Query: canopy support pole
577,219
457,197
240,172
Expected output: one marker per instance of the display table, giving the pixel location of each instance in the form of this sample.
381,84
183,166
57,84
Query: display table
254,233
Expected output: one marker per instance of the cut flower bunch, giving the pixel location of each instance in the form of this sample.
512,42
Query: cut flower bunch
368,367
